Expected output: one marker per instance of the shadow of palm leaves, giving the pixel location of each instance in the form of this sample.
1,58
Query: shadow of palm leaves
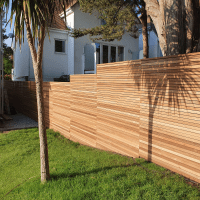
172,79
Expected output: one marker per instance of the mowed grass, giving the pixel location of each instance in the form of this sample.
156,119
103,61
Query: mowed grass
80,172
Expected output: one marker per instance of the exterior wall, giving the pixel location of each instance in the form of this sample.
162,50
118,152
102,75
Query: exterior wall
70,24
85,20
21,60
54,64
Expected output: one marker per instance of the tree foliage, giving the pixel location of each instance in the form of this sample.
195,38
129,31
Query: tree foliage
8,52
7,65
119,16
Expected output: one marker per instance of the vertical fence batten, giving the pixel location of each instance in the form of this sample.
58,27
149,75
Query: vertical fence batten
147,108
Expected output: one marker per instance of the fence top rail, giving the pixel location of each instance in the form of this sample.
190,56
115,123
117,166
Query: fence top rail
196,55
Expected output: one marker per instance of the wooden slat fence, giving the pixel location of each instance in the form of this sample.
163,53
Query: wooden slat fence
148,108
118,108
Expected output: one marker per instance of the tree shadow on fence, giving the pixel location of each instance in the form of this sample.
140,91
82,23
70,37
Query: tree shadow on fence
171,79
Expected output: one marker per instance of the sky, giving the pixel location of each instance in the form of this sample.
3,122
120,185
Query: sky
9,40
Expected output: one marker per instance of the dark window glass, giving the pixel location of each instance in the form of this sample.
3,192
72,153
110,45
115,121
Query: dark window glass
121,53
103,22
105,54
113,54
98,52
59,46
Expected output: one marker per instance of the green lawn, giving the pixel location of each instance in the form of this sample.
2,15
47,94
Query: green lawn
80,172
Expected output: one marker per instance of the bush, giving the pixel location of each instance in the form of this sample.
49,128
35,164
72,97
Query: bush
7,65
7,77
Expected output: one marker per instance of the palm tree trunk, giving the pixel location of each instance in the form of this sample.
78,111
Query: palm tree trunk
41,123
37,66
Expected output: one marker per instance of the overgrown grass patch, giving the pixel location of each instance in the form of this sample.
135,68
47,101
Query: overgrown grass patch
80,172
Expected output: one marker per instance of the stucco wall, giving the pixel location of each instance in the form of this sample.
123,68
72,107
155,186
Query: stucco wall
21,60
54,64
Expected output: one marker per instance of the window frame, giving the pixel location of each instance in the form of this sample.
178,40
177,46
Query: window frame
63,40
109,51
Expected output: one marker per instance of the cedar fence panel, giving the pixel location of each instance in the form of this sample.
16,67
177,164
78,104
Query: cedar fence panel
83,109
167,138
118,106
60,100
147,108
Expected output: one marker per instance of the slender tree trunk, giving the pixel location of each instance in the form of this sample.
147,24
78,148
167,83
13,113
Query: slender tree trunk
41,122
37,66
189,24
144,32
156,12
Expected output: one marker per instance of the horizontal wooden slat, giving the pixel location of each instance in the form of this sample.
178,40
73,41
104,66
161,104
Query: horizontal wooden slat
146,108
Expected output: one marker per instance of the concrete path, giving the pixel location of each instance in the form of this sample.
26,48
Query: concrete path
19,121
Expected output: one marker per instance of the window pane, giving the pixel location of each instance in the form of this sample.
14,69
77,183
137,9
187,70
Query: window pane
63,46
98,52
113,54
103,22
121,53
105,54
59,46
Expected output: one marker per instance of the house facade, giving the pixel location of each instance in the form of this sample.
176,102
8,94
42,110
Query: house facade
64,55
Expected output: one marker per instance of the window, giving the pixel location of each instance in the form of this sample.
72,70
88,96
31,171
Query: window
60,46
113,54
110,54
120,53
98,52
105,54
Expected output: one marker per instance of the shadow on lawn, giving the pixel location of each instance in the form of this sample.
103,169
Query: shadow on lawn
57,176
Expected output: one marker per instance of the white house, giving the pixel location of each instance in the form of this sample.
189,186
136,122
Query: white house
64,55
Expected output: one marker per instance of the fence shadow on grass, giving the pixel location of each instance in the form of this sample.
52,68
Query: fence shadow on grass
57,176
172,79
